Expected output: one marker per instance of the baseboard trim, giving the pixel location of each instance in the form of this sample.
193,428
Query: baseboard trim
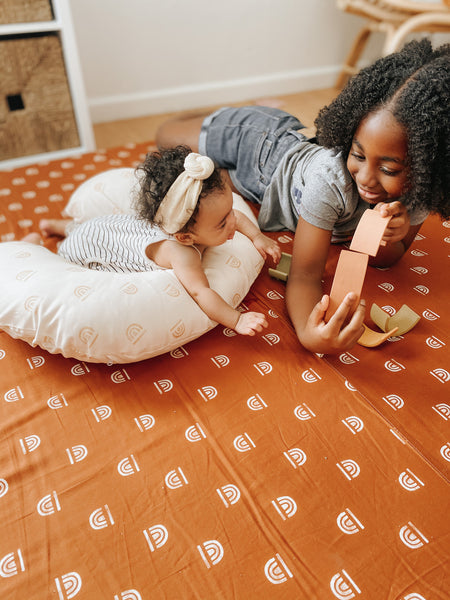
128,106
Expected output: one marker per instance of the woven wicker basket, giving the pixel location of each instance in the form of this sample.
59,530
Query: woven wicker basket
36,114
25,11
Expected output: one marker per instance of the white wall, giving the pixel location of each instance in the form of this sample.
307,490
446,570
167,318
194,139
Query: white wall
143,57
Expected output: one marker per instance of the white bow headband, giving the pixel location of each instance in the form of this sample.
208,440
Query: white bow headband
180,201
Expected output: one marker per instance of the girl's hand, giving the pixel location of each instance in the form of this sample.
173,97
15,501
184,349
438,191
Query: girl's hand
266,246
399,224
250,322
335,336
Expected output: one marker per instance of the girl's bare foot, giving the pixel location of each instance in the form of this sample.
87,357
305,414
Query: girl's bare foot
54,226
32,238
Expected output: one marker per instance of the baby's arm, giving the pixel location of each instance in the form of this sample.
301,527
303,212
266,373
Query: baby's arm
187,266
398,236
306,303
54,226
264,244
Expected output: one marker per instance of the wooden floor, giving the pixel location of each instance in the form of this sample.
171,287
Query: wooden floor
304,105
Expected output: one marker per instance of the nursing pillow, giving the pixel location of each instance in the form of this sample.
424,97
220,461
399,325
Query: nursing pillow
107,317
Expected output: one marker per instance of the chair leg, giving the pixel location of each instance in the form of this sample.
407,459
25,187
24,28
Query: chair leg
423,22
358,46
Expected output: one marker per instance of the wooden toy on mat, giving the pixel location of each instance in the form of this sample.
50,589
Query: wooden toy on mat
282,269
399,324
371,338
403,320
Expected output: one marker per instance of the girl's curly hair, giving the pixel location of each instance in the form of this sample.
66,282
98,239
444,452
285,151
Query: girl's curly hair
157,173
414,84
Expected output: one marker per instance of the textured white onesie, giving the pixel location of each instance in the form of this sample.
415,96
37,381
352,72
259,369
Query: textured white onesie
112,243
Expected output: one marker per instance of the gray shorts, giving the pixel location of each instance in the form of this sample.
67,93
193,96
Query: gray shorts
250,142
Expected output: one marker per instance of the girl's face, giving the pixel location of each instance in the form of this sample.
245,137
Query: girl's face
377,158
215,220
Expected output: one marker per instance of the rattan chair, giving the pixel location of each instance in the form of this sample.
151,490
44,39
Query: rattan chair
396,19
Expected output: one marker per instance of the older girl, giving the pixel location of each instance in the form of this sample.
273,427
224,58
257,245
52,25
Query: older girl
383,143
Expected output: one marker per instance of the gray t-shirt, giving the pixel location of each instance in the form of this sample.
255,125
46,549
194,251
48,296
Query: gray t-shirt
313,182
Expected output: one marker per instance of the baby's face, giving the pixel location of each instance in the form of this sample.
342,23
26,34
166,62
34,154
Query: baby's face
377,159
215,221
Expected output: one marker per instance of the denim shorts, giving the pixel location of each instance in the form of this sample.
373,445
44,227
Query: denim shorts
250,142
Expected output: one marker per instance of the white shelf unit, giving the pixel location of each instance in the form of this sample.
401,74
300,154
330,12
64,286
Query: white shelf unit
61,24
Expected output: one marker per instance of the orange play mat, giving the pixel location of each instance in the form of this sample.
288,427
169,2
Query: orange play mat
233,468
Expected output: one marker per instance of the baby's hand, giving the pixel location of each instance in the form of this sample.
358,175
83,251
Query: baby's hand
399,224
266,246
250,322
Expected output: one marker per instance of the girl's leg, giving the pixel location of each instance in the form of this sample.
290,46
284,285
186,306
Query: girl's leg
180,130
186,130
249,141
54,226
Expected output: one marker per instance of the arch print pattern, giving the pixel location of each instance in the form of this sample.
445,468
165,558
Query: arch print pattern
230,467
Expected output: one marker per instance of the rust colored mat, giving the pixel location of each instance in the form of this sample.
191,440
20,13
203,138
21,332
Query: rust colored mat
233,468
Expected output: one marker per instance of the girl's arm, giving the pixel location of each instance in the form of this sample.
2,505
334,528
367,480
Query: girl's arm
186,263
262,243
306,303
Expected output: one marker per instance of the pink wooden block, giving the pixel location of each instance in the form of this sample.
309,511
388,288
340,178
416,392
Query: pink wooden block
349,277
371,338
369,233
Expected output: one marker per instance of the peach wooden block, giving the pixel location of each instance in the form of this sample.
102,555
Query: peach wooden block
349,277
371,338
369,233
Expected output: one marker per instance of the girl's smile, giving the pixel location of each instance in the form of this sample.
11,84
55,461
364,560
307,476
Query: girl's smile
377,158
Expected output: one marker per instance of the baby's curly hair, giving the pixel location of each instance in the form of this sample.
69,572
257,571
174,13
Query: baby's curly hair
414,84
157,173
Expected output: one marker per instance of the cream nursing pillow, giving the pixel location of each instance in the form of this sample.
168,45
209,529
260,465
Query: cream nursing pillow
108,317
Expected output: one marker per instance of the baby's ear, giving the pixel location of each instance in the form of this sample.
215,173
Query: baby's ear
184,238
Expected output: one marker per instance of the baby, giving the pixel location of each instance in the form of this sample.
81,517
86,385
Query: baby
183,207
